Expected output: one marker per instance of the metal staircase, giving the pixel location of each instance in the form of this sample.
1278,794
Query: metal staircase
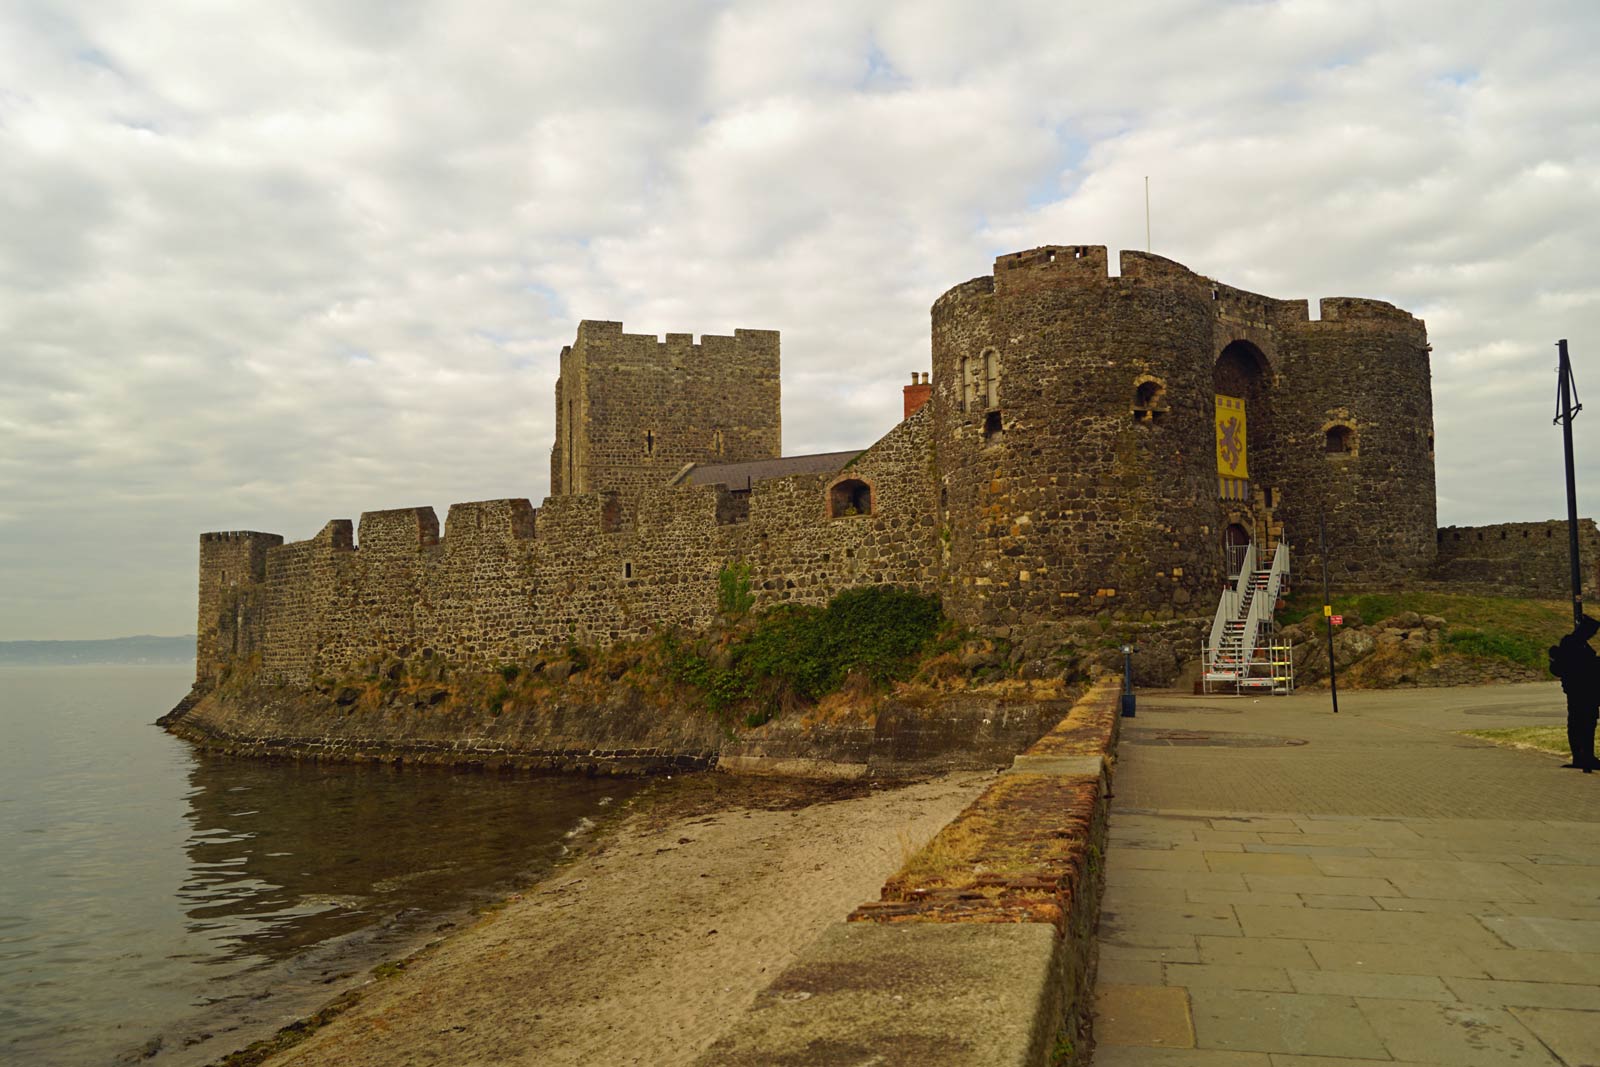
1244,653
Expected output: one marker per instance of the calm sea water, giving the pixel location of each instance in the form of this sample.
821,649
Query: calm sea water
151,897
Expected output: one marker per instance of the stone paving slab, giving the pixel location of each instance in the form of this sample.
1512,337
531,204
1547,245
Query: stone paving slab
907,995
1388,892
1150,1016
1572,1035
1254,1021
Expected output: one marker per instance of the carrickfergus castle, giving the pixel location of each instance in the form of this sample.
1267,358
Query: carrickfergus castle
1089,444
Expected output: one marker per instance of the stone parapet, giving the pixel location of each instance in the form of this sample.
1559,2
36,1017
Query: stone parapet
980,952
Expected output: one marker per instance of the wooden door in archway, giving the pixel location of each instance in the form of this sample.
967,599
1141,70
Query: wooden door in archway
1235,540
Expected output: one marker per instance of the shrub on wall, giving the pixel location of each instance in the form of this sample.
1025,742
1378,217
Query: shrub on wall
803,652
733,588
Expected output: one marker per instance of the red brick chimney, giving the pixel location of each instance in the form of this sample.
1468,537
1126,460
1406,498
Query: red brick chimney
917,394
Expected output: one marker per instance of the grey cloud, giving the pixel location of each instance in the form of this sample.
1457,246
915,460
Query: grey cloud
264,267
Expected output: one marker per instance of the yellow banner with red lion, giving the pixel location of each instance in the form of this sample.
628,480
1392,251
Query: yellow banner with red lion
1231,461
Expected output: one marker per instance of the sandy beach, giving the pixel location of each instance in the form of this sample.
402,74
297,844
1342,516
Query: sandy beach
644,950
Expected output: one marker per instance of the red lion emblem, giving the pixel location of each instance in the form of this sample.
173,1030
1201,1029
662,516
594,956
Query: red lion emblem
1231,442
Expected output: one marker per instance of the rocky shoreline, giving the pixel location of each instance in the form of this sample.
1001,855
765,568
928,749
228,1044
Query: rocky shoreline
615,731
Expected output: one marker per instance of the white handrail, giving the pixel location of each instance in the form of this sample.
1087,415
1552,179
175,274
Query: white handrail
1226,608
1261,605
1228,603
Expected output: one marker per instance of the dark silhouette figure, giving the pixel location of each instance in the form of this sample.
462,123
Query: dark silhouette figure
1574,661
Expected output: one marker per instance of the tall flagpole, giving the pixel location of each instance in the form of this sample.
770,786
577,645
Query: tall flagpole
1147,216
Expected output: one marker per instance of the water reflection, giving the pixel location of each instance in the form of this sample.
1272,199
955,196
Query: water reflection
140,881
287,855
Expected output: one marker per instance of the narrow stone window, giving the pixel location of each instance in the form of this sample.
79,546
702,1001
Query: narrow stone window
991,427
1430,444
649,442
971,375
1338,439
627,569
849,497
991,378
1149,399
716,441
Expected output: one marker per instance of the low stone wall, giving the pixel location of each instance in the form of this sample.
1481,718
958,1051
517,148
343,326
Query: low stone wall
1524,559
957,731
981,950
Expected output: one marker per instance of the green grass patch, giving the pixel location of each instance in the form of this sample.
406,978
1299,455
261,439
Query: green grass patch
1486,627
1551,739
1496,644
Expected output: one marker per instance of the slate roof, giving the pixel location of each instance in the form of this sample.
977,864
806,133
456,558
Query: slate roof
744,475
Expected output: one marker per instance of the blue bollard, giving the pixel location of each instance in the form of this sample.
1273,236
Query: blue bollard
1127,681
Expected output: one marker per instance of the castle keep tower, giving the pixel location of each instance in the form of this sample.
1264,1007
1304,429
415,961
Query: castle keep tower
1101,442
632,409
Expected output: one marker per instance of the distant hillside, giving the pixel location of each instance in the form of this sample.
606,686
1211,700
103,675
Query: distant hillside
123,650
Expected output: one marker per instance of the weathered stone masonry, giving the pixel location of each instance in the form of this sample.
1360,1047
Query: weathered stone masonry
1063,466
1527,559
505,578
1087,479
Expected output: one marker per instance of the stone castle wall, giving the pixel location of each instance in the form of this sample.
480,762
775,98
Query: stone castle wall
505,578
1527,559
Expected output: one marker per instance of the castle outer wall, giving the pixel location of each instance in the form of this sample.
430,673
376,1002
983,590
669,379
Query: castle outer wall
505,578
1522,559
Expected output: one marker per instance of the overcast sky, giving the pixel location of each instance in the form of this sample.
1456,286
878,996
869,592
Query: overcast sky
267,264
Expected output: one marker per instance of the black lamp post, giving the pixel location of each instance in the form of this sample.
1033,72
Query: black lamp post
1567,407
1127,681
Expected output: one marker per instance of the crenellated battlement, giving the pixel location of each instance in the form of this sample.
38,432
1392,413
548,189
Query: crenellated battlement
1052,265
397,530
1081,265
494,521
600,333
1359,309
238,537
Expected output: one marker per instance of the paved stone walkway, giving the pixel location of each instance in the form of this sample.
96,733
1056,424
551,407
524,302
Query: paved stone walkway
1385,891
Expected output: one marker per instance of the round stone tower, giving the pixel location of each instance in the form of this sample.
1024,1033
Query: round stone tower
1078,420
